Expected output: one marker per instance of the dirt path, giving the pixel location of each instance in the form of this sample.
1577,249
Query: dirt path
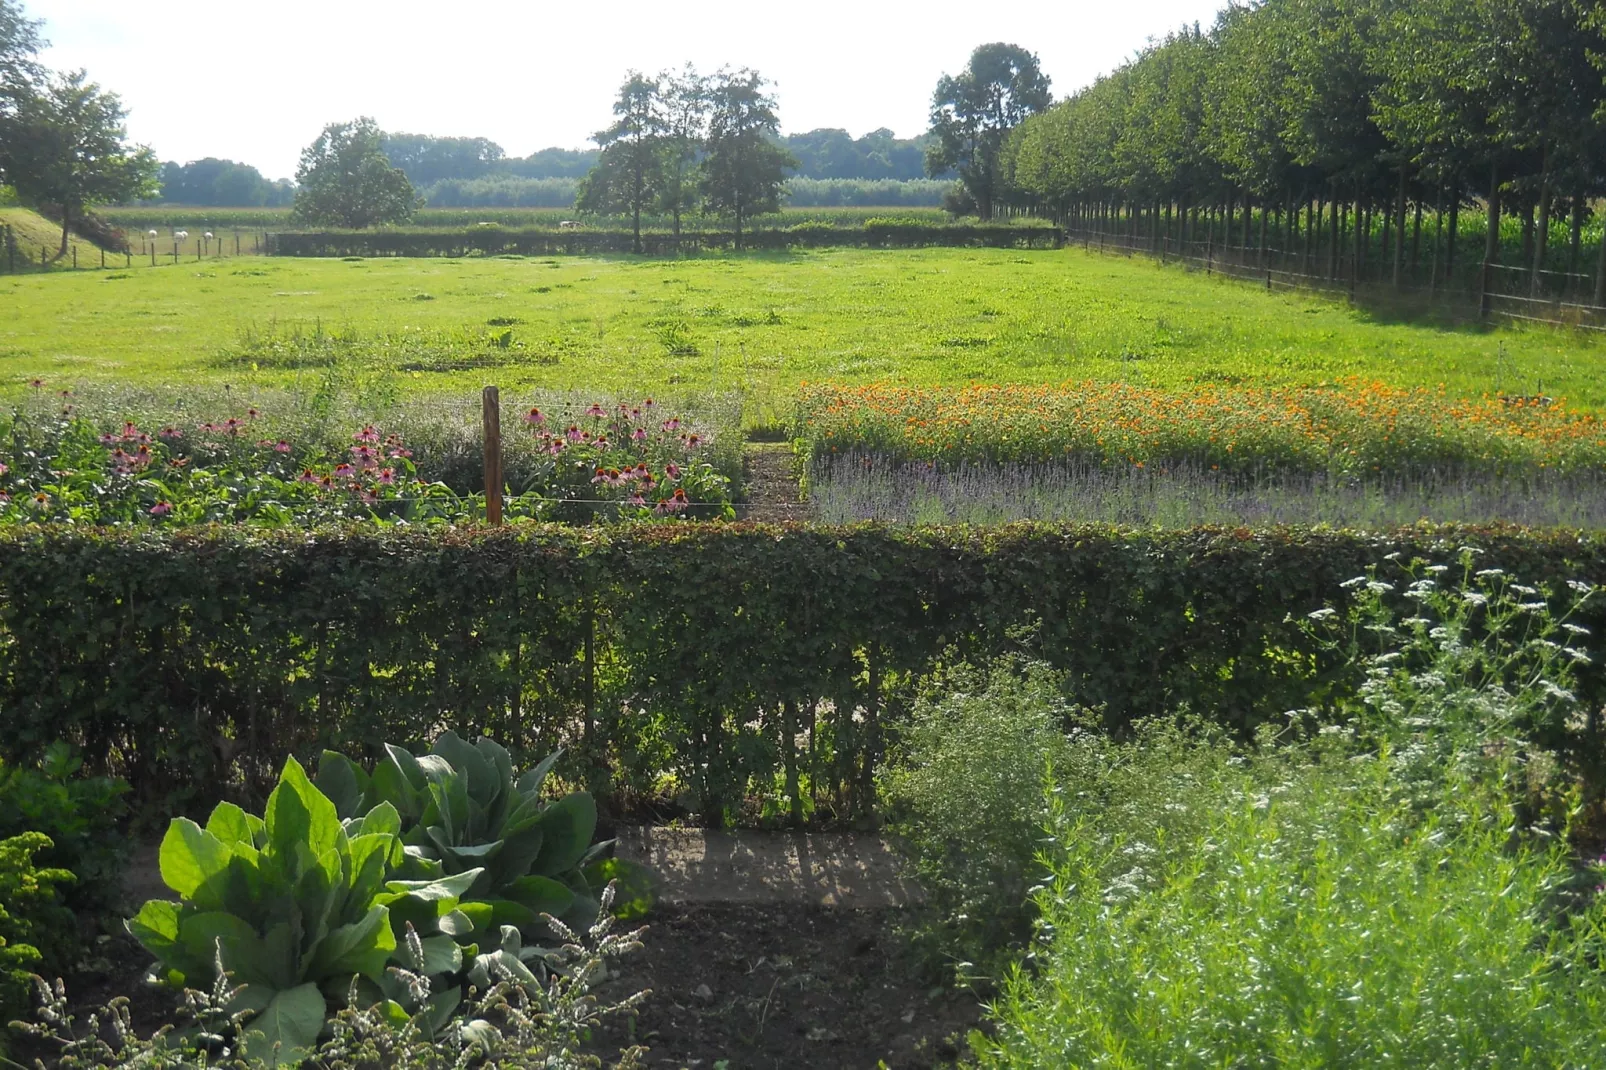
773,493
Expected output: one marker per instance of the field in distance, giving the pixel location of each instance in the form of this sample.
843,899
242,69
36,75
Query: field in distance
758,323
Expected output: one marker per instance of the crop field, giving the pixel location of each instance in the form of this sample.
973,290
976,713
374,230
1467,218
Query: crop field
759,324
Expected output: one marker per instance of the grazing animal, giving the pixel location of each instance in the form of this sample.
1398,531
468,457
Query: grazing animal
569,224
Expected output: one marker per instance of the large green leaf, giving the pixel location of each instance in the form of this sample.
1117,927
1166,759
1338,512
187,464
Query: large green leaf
288,1027
373,857
382,819
567,826
519,852
156,927
299,813
233,826
361,947
481,780
539,895
194,862
213,932
342,781
390,785
530,783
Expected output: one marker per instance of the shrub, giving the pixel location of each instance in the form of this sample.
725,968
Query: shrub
34,926
1376,897
80,815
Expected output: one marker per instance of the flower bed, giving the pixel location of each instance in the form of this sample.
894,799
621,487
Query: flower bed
1350,428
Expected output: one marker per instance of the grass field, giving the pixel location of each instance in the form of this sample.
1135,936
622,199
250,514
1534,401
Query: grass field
758,323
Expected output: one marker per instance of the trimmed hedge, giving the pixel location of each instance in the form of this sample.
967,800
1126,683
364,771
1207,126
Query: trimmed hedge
192,662
492,241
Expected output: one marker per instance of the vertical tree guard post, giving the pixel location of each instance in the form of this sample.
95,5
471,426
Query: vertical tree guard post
492,414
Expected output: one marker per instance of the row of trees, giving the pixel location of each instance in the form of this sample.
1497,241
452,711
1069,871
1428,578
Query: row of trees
63,145
1349,113
218,183
684,141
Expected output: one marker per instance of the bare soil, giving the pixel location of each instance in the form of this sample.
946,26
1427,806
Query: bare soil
773,492
747,986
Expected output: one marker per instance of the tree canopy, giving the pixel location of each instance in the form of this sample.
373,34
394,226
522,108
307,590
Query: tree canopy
973,112
744,169
629,172
345,179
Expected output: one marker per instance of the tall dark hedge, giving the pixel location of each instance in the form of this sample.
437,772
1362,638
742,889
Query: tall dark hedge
193,662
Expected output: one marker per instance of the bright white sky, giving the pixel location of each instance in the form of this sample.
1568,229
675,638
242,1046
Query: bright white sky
256,82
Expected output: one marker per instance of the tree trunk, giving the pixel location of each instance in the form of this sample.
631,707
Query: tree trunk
1438,227
1575,239
1399,244
1265,207
1491,244
1416,240
1455,219
1333,225
66,228
1543,237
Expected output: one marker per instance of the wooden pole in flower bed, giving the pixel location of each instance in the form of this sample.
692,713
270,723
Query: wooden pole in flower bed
492,413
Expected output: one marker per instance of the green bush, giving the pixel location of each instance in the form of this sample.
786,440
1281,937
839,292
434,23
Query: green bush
193,656
80,815
1378,896
33,922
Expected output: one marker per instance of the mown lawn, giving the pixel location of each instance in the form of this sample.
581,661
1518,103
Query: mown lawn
759,323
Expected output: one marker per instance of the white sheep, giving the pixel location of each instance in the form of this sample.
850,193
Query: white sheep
152,235
181,235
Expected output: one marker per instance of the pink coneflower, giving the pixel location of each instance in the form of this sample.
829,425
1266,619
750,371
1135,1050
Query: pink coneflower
635,414
344,470
129,430
647,404
387,476
178,462
233,424
637,499
161,508
36,383
307,476
367,457
671,424
555,447
693,441
326,482
66,393
363,494
3,468
672,470
281,446
41,499
601,441
108,439
639,434
170,433
142,457
535,416
265,444
121,460
401,452
252,413
367,434
574,434
674,503
596,410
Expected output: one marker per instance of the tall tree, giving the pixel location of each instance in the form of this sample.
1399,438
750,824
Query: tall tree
973,112
65,146
19,45
346,180
744,170
685,109
628,173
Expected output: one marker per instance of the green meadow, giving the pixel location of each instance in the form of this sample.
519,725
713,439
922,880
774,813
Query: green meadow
756,323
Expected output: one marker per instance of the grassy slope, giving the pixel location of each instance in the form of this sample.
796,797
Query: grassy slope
33,230
760,322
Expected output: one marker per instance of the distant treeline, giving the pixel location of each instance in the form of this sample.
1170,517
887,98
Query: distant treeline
221,183
507,191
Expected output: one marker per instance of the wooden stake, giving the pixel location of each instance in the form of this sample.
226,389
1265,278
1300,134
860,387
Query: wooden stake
492,415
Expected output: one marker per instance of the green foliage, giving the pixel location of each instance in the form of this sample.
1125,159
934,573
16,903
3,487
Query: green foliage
288,641
65,145
297,907
512,1022
81,816
743,169
344,180
972,113
465,810
34,925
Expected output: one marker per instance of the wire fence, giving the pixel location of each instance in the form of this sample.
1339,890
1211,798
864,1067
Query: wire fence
19,257
1497,291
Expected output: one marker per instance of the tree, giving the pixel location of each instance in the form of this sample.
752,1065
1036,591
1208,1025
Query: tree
65,146
685,104
427,160
346,180
744,170
19,44
972,114
627,175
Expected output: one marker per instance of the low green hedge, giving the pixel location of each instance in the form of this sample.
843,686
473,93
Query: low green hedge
494,241
191,663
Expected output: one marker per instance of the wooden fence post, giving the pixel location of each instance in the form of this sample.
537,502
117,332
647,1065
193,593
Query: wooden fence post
491,414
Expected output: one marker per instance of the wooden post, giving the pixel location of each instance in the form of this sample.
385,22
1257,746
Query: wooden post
103,257
75,257
492,418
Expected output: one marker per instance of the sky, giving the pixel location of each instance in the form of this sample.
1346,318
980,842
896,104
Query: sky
256,82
